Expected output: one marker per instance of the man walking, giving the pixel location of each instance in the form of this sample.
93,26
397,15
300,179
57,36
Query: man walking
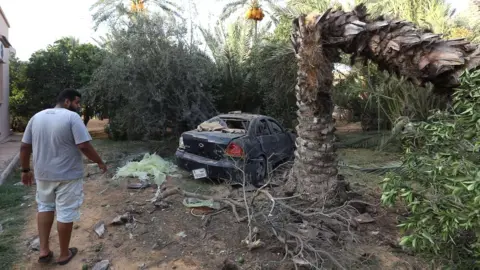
57,137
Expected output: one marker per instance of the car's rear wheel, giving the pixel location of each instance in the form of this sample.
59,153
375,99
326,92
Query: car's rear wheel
260,172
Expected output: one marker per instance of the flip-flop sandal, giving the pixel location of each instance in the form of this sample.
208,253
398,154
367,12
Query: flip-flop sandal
73,252
46,259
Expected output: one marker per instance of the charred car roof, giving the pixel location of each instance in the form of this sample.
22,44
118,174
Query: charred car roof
245,116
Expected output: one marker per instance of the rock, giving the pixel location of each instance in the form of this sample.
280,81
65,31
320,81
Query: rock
102,265
229,265
98,247
76,226
162,205
241,260
117,244
364,218
34,244
99,229
122,219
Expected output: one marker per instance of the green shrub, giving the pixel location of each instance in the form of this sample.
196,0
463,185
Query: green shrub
440,184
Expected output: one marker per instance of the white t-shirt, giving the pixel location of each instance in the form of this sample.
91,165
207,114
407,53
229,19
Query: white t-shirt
54,135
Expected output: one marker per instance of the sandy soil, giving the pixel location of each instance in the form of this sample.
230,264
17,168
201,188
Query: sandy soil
151,241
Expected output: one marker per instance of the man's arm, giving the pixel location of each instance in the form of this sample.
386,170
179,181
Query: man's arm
82,140
25,153
88,150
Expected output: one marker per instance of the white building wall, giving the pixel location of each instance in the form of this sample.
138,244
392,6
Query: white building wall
4,83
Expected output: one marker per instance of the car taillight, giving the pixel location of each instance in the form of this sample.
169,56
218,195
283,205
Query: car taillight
234,150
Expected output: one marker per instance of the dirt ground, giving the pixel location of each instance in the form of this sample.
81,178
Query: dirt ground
176,238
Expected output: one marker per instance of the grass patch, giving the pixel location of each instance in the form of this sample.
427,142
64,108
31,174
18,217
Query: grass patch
12,219
366,157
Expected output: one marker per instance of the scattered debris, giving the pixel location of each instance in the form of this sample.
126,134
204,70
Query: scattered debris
253,245
138,186
76,226
364,218
26,197
198,203
150,165
121,219
100,229
102,265
34,244
117,244
162,205
300,261
211,126
160,245
181,234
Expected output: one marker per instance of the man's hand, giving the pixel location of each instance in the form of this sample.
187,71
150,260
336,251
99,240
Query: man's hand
27,178
102,167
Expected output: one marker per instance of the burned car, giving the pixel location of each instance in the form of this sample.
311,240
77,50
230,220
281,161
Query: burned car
234,147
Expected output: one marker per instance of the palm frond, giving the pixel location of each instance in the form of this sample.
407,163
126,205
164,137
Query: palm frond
231,8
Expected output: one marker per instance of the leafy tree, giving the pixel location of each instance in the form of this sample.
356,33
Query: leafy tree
467,24
440,181
152,80
233,51
65,64
431,14
18,84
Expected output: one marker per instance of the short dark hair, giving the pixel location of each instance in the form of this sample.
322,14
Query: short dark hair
69,94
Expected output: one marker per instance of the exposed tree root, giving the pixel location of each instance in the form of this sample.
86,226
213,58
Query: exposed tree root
305,231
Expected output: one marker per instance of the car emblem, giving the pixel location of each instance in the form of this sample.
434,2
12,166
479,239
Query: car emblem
201,145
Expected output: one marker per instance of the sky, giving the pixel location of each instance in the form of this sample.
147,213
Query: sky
36,24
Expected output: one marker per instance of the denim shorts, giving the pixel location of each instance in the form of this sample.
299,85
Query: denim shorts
63,197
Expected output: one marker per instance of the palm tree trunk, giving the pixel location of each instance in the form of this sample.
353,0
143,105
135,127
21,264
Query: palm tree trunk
394,45
314,173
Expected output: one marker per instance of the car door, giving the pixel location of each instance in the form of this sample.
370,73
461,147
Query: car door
283,147
266,139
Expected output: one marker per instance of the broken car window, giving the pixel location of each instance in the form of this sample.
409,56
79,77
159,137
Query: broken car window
262,128
275,127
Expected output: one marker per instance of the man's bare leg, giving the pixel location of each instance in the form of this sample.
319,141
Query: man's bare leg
44,224
64,235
